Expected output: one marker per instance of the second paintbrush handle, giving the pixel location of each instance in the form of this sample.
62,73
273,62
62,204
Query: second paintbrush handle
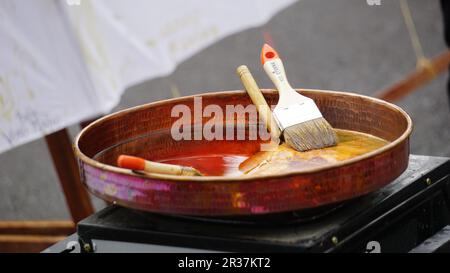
274,68
259,101
140,164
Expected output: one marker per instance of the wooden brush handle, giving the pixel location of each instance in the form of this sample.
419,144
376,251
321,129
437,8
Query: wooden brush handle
156,167
146,166
274,68
258,100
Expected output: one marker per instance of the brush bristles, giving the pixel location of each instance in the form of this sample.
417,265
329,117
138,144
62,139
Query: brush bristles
309,135
189,171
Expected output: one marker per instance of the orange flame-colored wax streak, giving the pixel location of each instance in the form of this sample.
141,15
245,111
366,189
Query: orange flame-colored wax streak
268,39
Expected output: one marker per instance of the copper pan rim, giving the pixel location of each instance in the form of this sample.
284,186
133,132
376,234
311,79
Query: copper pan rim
96,164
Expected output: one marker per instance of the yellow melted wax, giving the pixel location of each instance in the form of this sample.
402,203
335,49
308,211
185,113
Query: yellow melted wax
285,159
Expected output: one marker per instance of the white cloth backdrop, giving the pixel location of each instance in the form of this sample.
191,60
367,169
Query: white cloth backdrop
63,61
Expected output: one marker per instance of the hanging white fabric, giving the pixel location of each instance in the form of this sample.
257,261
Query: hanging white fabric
66,61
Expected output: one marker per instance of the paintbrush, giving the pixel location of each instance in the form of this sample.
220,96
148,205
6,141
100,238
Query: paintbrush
298,117
143,166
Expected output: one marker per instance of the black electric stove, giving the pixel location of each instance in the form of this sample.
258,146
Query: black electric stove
396,218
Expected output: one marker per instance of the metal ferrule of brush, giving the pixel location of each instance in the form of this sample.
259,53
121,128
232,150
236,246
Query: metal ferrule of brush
296,113
291,112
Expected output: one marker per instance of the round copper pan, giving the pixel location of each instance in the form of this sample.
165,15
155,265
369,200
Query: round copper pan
215,195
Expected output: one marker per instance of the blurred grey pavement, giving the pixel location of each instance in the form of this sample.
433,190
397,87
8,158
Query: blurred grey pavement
343,45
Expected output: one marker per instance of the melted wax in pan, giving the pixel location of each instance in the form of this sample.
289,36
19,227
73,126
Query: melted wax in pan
284,159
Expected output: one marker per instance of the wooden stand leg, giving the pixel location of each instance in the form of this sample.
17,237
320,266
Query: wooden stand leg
32,236
77,198
416,79
55,227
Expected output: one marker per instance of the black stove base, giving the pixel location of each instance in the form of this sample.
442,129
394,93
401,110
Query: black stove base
397,218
